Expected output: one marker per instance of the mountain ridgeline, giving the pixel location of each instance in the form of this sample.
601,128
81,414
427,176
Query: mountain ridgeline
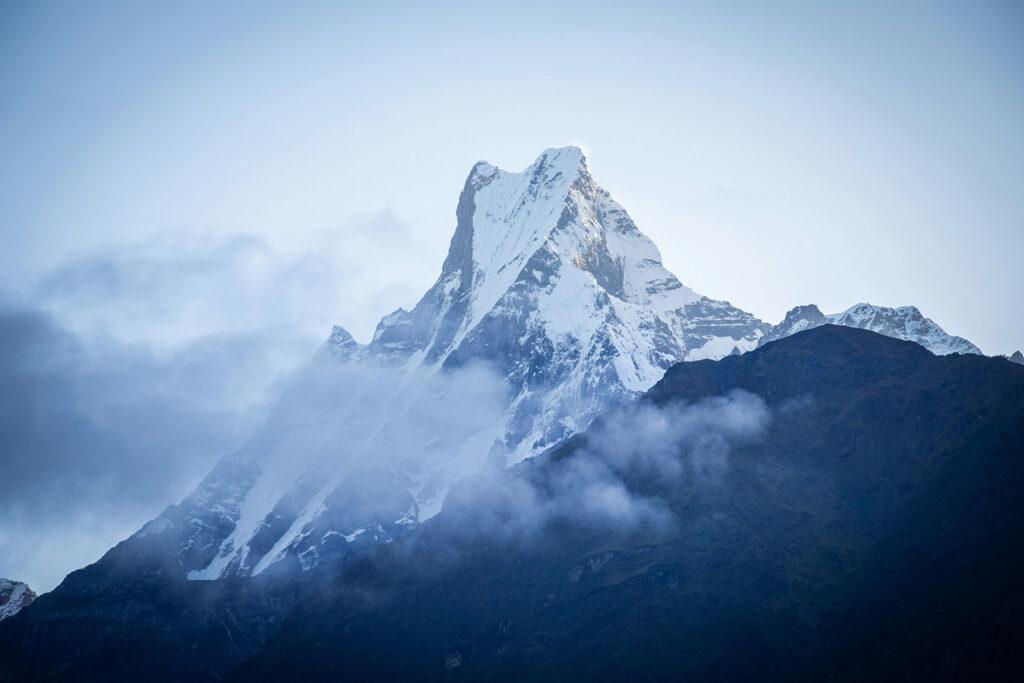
870,531
563,462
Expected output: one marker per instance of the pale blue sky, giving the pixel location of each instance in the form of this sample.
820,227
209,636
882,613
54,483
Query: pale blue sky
779,154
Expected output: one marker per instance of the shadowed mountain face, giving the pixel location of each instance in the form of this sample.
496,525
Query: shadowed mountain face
869,529
837,503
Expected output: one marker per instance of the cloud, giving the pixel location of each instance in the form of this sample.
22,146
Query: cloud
99,436
128,372
181,286
429,427
619,474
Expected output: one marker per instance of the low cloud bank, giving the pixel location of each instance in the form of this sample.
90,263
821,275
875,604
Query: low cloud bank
618,476
97,437
128,372
176,288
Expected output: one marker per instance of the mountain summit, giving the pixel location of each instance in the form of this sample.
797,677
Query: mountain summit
549,285
551,308
546,271
549,290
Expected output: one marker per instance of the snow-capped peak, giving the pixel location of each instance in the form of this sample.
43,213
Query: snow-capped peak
797,319
554,203
549,283
903,322
514,214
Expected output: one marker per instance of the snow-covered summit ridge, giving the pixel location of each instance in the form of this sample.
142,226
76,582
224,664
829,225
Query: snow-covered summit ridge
555,203
904,322
537,230
514,214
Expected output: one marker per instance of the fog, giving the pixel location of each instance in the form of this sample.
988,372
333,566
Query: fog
127,372
620,475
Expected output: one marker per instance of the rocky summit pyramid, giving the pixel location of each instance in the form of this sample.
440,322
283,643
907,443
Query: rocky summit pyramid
548,285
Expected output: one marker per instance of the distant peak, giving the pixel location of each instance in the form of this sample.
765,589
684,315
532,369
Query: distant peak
339,335
340,345
903,310
805,311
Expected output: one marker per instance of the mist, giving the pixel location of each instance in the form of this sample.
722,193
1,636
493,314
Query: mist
619,475
127,372
98,436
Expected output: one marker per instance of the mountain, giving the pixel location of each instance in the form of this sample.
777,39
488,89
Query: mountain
548,284
14,597
1017,357
905,322
797,320
550,310
551,307
866,527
